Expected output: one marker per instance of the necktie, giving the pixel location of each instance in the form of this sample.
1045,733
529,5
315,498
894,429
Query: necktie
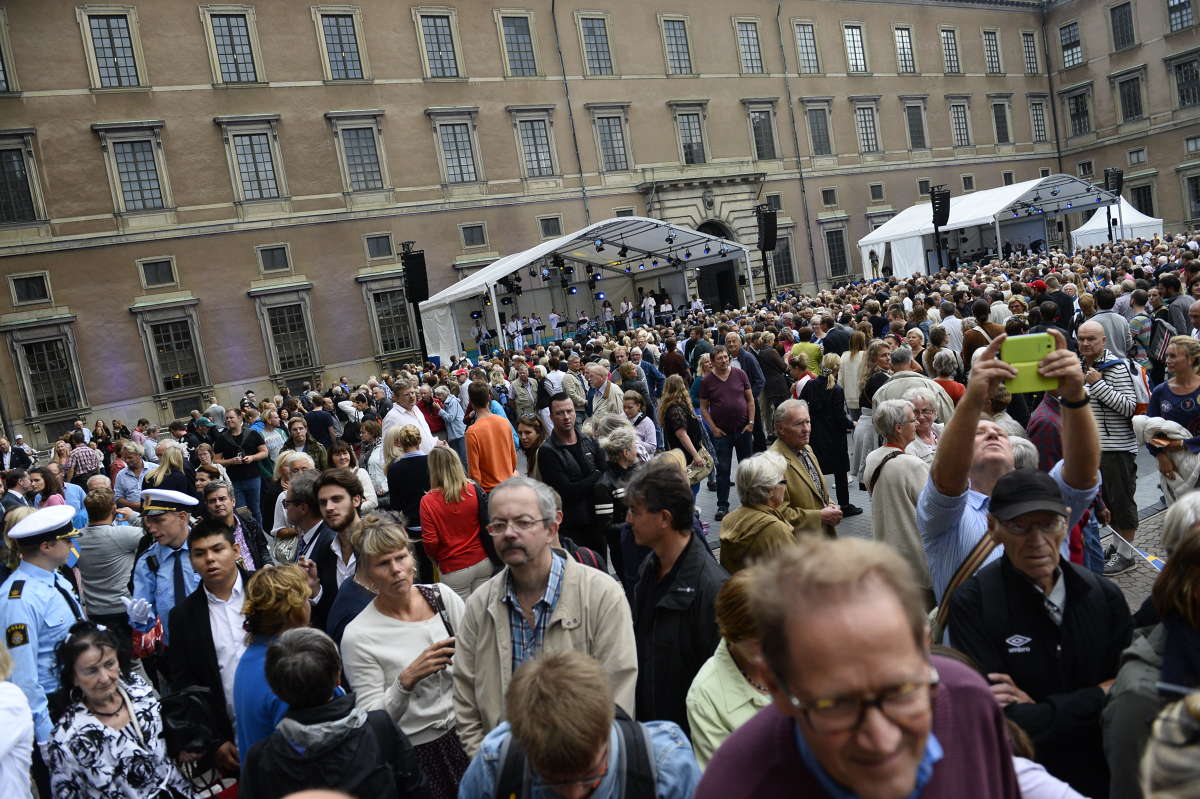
181,591
814,474
71,603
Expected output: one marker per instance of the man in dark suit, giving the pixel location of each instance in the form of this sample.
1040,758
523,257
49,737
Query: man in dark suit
315,552
13,457
16,485
833,338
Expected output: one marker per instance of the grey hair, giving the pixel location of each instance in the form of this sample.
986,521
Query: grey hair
1181,520
945,363
599,427
217,485
441,392
888,414
901,356
302,667
786,407
547,504
756,477
303,488
921,392
1025,454
619,440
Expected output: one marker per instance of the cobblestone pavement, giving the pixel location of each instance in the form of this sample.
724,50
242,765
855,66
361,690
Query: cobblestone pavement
1137,582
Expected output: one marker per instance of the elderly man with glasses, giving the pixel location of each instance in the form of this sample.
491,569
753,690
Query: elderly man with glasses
1048,633
541,601
859,707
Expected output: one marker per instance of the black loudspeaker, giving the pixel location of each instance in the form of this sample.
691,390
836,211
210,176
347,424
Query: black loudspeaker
416,279
766,229
940,197
1114,179
503,317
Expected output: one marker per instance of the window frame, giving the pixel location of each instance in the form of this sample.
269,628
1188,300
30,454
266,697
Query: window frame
83,15
462,235
1090,172
1191,17
1112,30
542,233
1129,155
912,50
946,53
1068,100
1149,186
1026,37
1119,84
737,40
1187,146
762,106
271,297
207,12
7,62
816,47
19,339
262,270
181,311
355,13
521,114
825,106
882,192
1002,101
663,19
530,18
964,178
23,139
1040,103
249,125
339,123
928,187
460,65
372,285
620,112
44,274
112,134
1062,46
1173,63
141,264
983,38
580,16
966,107
464,115
1043,171
862,40
841,230
918,102
784,237
833,189
1008,177
871,106
698,109
379,258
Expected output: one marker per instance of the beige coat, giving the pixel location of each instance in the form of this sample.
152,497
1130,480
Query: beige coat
612,402
803,496
592,616
576,392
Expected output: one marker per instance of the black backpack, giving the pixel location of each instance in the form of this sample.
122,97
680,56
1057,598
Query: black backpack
636,753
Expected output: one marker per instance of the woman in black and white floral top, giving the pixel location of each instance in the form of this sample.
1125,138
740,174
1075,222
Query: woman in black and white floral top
109,740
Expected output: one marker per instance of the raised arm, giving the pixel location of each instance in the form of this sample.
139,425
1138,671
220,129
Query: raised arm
1080,438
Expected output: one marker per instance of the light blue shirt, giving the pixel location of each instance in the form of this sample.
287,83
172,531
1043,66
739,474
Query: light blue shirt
676,773
157,586
931,756
952,526
128,486
452,415
35,622
74,496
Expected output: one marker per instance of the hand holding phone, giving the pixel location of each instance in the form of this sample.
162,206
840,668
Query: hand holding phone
1024,353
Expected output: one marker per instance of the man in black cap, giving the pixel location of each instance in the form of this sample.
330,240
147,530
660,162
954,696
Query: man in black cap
1047,634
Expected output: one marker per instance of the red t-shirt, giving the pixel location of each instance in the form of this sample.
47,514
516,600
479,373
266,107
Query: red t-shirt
953,388
450,530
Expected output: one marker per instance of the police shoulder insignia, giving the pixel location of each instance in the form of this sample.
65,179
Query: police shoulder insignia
16,635
14,591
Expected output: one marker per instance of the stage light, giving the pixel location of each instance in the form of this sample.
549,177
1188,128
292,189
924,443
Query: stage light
600,295
628,270
506,300
1054,192
545,274
564,283
1099,199
1016,214
643,266
654,262
687,253
623,252
487,303
476,314
1037,197
573,290
671,237
723,250
1068,205
599,245
532,272
707,249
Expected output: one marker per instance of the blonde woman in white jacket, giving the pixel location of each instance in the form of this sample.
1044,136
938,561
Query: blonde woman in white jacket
852,365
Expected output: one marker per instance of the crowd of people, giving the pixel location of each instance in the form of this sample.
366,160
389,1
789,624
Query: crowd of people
490,577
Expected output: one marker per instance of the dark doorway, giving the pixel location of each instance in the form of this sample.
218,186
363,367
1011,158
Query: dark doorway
717,283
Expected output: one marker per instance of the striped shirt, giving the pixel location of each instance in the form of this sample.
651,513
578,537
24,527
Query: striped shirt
526,640
1113,404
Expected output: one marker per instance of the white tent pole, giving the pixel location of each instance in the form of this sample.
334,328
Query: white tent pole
750,276
996,222
496,316
458,342
1121,219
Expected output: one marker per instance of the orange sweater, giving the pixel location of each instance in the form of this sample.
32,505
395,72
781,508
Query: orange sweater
490,452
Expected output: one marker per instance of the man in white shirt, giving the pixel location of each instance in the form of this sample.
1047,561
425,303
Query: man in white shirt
697,304
405,411
648,306
952,324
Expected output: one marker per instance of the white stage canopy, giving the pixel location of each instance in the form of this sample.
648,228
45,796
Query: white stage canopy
625,246
1128,223
1049,196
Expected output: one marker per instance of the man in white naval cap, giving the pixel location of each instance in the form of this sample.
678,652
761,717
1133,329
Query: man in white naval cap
37,608
163,576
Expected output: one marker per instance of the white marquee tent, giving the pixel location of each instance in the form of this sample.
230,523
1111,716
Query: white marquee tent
622,248
906,233
1128,223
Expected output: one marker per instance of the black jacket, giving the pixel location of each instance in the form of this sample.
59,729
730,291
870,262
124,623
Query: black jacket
333,746
19,459
675,625
999,619
836,341
323,555
575,482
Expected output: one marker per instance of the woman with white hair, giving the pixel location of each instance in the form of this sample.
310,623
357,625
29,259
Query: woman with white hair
928,432
760,525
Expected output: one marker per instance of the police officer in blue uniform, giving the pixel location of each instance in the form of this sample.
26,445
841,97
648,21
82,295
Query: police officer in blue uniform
163,575
37,608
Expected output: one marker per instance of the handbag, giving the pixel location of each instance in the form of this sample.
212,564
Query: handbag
697,473
187,718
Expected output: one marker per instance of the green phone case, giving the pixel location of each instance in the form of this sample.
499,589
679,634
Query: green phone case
1025,353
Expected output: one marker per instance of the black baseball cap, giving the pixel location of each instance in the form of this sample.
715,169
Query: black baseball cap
1024,491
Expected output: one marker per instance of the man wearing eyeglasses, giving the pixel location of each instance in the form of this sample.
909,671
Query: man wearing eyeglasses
859,707
1047,633
542,601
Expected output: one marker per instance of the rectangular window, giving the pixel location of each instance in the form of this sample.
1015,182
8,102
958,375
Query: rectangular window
868,134
550,226
1137,156
622,212
1008,177
1130,92
256,166
231,35
1084,168
818,128
274,259
1037,116
362,159
518,46
1192,144
473,236
764,135
923,186
829,198
991,52
691,138
1179,14
595,46
16,196
175,353
289,334
158,273
613,155
968,182
1043,172
835,242
380,246
439,45
535,147
4,82
748,49
959,126
905,62
806,48
679,56
876,190
1029,49
781,262
112,46
1072,48
775,202
950,51
51,379
1142,198
1193,192
455,138
30,289
915,116
391,314
1077,112
1122,25
1000,115
1187,83
856,53
341,45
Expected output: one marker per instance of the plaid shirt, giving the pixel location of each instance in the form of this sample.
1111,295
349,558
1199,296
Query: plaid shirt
84,460
526,641
1045,431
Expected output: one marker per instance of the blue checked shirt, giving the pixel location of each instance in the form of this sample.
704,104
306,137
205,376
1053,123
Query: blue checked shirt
526,641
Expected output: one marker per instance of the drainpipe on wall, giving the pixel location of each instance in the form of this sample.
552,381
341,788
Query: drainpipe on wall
1050,88
787,88
562,64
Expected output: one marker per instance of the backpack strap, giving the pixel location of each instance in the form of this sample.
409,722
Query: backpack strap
513,776
640,773
969,566
875,474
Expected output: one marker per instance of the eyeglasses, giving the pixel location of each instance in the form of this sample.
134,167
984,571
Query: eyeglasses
899,703
1052,527
926,412
500,526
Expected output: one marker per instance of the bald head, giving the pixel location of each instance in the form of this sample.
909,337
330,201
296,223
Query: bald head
1090,337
